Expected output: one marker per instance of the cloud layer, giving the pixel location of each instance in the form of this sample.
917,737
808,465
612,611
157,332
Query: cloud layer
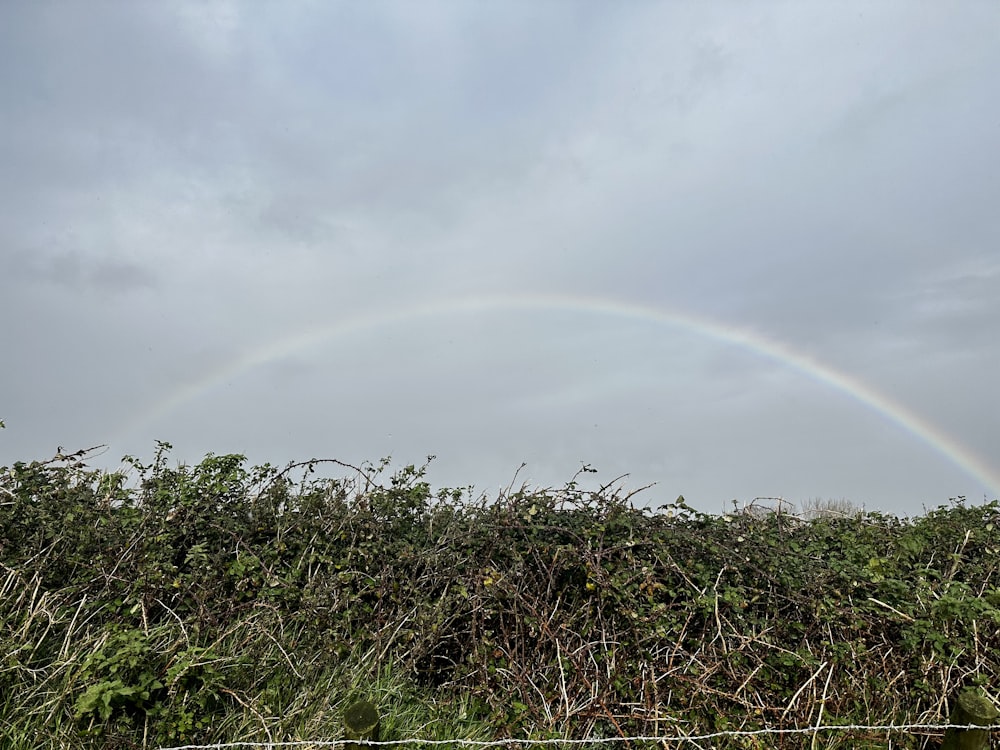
190,186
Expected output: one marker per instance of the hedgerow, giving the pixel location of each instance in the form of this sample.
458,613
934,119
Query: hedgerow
221,602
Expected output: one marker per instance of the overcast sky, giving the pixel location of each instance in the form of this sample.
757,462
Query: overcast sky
737,249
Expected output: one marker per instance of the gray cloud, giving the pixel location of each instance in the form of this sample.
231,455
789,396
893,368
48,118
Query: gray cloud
77,272
191,185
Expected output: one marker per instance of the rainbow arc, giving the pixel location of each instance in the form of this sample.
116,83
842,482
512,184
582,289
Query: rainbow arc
323,335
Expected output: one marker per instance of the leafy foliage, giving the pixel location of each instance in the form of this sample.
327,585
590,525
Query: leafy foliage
220,602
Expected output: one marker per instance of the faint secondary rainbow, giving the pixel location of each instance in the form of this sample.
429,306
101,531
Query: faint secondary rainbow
753,341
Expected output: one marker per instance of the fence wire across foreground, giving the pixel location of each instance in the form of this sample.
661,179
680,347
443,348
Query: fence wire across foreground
694,738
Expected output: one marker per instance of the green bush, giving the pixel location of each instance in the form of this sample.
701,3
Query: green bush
218,602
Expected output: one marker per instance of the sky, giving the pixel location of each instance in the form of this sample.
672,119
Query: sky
734,250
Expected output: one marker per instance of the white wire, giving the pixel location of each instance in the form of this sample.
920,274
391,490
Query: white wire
592,740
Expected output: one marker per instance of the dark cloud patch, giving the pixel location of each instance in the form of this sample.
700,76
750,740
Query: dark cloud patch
954,307
74,271
115,276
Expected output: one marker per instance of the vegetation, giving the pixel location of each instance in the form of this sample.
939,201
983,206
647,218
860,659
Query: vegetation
171,605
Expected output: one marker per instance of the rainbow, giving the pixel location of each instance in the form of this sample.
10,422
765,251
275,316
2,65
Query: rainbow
322,335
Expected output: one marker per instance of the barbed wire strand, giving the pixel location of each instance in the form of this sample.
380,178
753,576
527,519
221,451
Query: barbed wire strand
593,740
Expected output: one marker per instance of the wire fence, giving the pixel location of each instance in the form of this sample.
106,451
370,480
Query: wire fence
512,742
